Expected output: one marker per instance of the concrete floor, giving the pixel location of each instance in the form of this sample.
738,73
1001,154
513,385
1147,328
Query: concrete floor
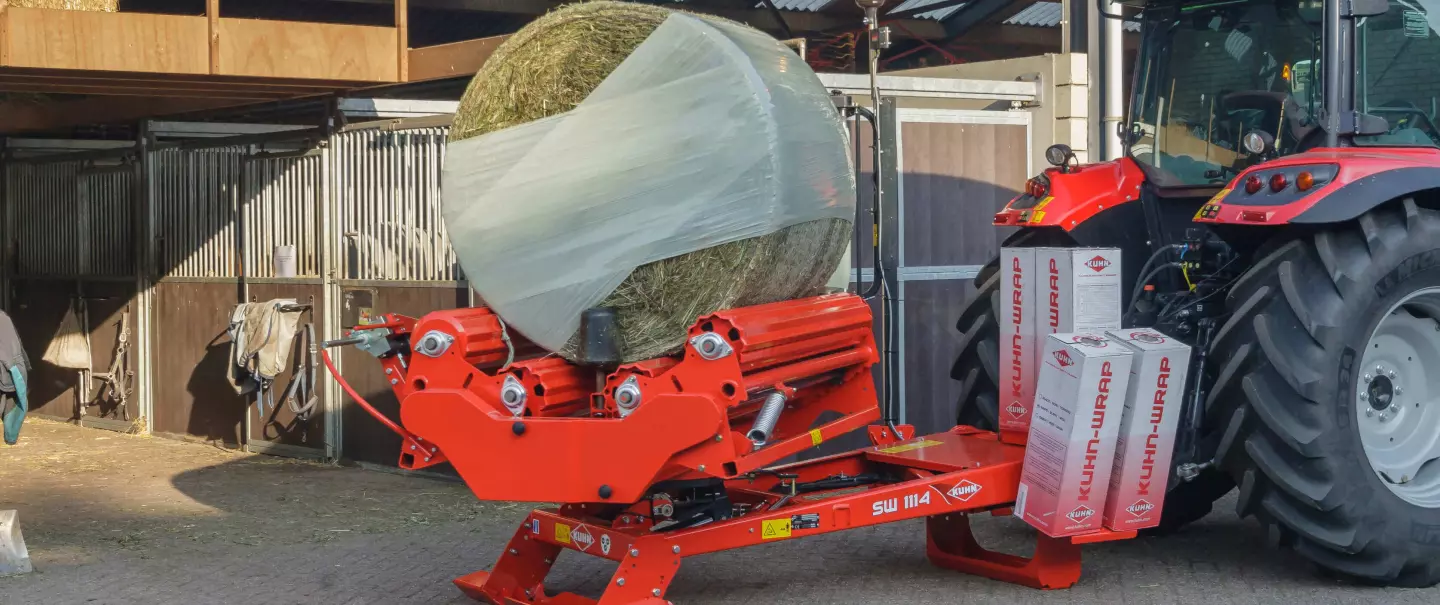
113,519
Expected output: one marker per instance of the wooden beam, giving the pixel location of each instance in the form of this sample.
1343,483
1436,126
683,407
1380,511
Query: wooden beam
24,117
212,16
402,38
453,60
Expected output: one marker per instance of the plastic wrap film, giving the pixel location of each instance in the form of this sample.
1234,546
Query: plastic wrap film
708,133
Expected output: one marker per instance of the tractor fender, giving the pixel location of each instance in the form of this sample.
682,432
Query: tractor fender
1073,197
1350,200
1357,179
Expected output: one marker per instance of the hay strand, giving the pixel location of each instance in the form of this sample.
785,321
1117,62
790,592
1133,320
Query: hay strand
103,6
549,67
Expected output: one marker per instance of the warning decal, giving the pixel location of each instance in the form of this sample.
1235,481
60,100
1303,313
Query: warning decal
816,438
806,521
562,533
905,447
777,528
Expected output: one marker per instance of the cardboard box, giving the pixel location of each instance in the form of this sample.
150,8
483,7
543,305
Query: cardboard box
1017,338
1082,289
1147,428
1071,450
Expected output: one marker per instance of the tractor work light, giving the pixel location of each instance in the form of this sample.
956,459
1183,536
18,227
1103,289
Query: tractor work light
1058,155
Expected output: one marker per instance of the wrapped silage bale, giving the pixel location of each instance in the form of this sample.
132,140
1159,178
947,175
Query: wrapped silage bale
663,164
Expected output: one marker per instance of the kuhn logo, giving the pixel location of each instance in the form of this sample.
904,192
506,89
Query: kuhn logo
1015,409
1147,337
1097,264
1140,508
1080,514
1063,357
582,538
964,490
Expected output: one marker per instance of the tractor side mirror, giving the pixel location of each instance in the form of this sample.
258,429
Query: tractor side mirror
1368,125
1368,8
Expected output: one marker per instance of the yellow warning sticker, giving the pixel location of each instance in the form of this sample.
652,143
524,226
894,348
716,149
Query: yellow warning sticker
562,533
1038,216
816,438
1044,202
778,528
905,447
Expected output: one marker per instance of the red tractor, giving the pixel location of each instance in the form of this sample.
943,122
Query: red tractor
1278,207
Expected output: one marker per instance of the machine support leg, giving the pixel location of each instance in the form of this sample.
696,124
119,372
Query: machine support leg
950,544
643,576
518,575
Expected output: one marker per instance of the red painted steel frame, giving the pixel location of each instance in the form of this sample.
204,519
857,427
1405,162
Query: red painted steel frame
689,425
951,475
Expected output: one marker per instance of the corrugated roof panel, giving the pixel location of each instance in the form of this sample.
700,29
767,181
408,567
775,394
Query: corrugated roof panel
808,6
1040,14
1047,14
938,14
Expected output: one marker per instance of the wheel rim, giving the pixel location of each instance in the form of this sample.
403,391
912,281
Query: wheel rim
1397,402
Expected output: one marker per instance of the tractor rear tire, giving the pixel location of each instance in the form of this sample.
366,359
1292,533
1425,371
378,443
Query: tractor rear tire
976,367
1288,401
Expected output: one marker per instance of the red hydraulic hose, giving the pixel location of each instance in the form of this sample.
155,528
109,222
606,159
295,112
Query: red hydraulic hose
390,424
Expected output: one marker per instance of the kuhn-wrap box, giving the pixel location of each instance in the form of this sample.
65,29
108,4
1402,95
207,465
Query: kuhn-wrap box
1147,428
1081,290
1071,452
1017,338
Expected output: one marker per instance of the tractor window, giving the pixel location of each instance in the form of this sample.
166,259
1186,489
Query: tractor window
1396,72
1210,73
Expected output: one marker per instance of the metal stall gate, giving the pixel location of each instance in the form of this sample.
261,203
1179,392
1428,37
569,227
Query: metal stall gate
70,230
394,255
283,196
221,214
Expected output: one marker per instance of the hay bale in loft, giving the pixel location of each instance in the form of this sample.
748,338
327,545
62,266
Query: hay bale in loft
104,6
550,67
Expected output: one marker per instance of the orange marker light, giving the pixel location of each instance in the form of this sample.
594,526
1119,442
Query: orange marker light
1305,181
1285,72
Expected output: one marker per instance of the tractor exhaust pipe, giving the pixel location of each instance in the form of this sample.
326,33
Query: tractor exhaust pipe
764,426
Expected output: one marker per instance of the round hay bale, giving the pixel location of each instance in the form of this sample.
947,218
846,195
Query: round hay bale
553,64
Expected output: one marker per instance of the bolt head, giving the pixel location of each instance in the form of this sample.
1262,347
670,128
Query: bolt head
514,552
1369,378
1399,390
1379,369
1391,373
389,371
1369,412
634,552
655,592
1364,396
1394,408
620,582
394,381
675,550
702,468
